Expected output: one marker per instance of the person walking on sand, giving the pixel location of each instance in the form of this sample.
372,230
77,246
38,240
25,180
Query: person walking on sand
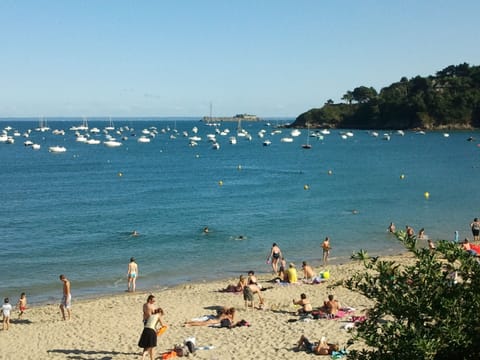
6,309
475,226
326,250
132,274
274,256
148,339
22,304
66,303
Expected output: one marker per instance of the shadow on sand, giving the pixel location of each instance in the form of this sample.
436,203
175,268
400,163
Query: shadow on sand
76,354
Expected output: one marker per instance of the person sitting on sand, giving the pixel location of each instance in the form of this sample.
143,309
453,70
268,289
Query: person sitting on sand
235,288
308,273
431,245
466,246
252,279
305,303
224,313
291,274
281,272
331,306
320,348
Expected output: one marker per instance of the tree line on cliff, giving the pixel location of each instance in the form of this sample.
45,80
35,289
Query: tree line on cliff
448,100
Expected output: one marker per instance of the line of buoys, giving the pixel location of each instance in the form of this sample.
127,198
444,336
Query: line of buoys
306,187
220,183
402,176
426,194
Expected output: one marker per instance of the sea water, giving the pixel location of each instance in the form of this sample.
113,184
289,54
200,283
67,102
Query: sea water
73,213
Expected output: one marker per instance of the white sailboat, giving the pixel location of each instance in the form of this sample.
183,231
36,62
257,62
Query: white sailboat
307,145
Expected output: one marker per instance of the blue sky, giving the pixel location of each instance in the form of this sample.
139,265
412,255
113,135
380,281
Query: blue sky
174,58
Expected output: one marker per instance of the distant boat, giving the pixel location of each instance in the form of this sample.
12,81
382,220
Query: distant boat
110,126
295,132
286,139
386,137
307,145
143,139
112,143
42,125
267,143
57,149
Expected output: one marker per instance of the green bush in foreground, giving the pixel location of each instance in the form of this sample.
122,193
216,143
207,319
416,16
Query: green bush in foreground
427,309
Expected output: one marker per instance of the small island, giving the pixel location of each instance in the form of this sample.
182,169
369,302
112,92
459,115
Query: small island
448,100
238,117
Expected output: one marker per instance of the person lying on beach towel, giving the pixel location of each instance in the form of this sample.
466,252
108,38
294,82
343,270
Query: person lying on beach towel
318,348
225,313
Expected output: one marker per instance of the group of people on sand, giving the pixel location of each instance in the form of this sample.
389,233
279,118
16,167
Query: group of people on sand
330,307
250,286
289,274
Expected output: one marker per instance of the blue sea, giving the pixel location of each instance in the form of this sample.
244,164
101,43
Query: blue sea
73,213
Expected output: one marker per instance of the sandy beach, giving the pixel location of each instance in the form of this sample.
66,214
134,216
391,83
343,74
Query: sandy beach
109,327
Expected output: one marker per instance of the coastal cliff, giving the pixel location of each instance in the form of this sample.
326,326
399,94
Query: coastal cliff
448,100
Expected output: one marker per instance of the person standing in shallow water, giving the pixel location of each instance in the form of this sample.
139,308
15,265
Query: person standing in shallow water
132,274
326,250
274,256
475,226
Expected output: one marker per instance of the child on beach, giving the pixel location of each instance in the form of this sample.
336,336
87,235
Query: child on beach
6,309
22,304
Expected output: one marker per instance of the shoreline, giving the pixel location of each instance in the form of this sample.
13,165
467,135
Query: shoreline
86,295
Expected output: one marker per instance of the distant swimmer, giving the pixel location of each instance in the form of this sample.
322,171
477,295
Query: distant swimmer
206,230
135,233
354,211
241,237
391,227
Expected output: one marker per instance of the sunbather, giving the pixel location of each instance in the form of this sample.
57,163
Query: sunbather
225,313
319,348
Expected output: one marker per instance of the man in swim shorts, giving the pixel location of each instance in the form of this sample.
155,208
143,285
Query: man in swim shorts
66,303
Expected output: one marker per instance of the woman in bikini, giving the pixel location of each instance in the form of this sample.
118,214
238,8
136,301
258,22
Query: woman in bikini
274,256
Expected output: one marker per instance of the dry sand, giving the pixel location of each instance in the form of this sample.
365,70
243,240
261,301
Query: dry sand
109,327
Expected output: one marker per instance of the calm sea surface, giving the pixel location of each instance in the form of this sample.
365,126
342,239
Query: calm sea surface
74,212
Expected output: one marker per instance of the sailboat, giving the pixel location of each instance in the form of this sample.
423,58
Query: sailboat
307,145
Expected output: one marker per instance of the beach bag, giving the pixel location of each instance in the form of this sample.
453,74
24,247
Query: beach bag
190,344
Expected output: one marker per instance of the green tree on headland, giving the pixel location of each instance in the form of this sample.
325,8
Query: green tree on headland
448,100
426,309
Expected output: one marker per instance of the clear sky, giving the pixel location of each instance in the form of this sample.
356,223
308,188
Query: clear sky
264,57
